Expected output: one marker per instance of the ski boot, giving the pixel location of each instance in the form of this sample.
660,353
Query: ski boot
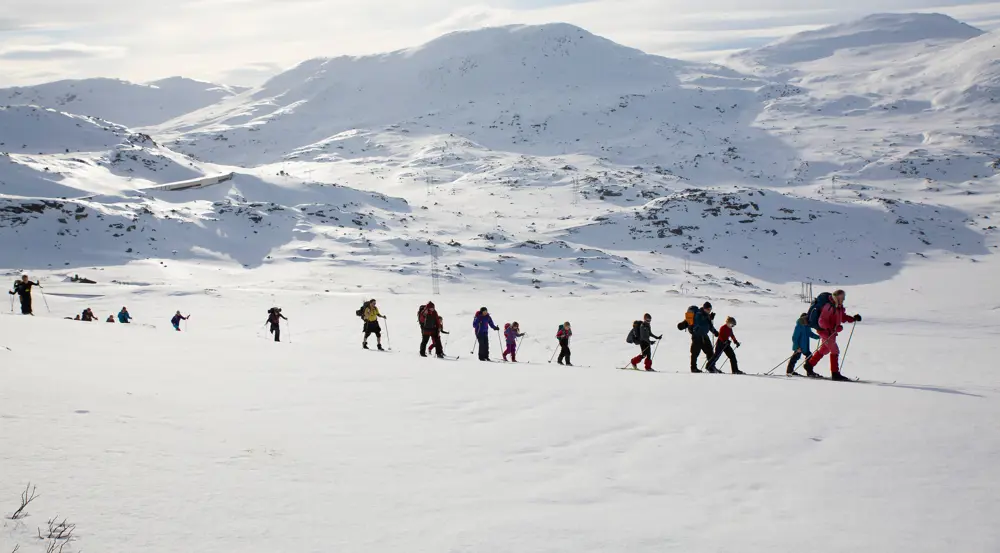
810,372
714,370
839,377
364,345
696,370
737,371
380,347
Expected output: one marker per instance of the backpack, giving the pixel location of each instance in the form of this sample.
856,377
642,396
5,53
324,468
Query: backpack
633,335
816,309
688,321
361,312
420,314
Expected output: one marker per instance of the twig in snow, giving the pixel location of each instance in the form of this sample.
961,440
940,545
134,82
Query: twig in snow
27,496
16,547
58,530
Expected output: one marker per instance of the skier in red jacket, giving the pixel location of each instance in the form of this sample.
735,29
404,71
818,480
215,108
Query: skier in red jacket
831,321
722,345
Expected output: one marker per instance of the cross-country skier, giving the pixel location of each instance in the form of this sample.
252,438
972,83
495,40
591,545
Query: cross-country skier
124,316
643,337
800,343
831,321
274,317
88,315
564,333
700,342
482,323
511,332
111,319
722,345
23,290
176,320
371,316
431,327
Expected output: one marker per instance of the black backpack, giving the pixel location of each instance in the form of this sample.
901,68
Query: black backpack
361,312
816,309
633,335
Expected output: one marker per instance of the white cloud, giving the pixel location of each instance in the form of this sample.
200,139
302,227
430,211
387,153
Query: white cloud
247,40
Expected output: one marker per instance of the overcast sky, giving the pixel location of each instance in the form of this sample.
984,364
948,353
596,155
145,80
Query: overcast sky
245,41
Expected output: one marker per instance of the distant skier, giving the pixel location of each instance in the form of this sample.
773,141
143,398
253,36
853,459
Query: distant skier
722,345
482,323
832,317
274,317
511,332
176,320
642,335
563,334
800,343
431,328
124,316
111,319
88,315
371,315
699,323
23,290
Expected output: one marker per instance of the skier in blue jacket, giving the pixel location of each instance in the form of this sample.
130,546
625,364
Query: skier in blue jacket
124,316
800,343
482,323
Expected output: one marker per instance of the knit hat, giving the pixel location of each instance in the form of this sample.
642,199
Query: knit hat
708,305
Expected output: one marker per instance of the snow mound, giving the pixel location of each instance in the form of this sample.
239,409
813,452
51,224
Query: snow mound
125,103
872,31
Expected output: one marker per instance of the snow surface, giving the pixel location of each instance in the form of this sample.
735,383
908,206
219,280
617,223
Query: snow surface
553,175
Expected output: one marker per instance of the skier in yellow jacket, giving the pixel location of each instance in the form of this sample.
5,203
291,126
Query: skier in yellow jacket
371,315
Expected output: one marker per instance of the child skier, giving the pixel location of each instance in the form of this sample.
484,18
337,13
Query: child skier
564,333
274,317
722,345
371,316
176,320
800,343
643,337
482,323
511,331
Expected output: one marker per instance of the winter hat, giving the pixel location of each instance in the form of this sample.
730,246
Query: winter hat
483,309
430,305
647,317
708,305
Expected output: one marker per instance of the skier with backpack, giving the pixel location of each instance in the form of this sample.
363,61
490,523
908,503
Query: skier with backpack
176,320
800,343
431,327
699,323
88,316
23,290
370,315
642,335
511,332
722,345
827,315
274,317
482,323
564,333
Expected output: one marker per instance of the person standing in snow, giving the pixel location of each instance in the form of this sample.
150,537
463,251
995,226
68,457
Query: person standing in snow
88,316
511,332
124,316
176,320
274,317
722,345
482,323
700,342
431,327
831,320
800,343
23,290
643,336
371,315
564,333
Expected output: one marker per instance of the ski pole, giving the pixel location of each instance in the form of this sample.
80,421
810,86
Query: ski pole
388,341
553,354
12,303
517,348
289,332
474,345
500,341
44,299
785,362
821,346
848,346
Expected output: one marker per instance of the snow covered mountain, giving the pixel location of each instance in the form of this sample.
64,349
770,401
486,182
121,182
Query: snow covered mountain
125,103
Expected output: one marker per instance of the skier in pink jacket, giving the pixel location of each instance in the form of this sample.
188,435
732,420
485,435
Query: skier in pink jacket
831,321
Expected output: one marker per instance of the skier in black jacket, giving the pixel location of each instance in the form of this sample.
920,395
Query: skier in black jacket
700,342
644,338
274,317
23,289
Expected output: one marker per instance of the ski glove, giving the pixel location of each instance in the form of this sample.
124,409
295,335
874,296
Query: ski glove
738,345
857,318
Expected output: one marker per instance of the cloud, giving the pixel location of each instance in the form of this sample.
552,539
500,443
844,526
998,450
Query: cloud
35,52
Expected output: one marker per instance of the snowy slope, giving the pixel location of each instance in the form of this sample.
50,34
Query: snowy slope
125,103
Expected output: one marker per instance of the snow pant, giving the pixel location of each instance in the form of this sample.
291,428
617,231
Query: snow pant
564,352
511,351
727,348
484,346
276,330
372,327
699,345
828,345
177,327
795,361
435,339
25,304
645,353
